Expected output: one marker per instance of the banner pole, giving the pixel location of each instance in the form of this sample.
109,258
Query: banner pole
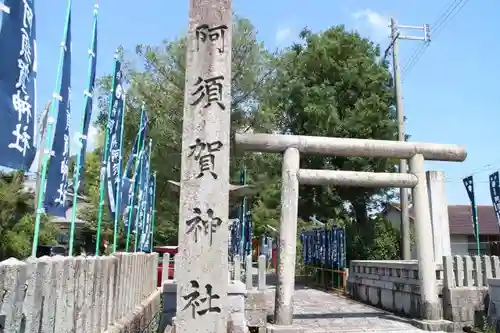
153,213
139,217
45,153
76,173
119,186
104,165
136,165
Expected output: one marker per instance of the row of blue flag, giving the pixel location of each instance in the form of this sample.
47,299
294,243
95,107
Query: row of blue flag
242,227
130,191
324,247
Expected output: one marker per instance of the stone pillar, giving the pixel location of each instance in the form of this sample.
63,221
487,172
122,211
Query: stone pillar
202,269
236,304
439,215
425,253
287,237
169,297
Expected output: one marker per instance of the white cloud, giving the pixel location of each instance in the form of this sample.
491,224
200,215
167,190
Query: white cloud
373,23
4,10
92,139
92,136
283,35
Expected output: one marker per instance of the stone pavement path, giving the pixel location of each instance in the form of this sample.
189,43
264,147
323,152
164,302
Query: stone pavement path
320,312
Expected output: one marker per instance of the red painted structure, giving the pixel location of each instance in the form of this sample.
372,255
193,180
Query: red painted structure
172,250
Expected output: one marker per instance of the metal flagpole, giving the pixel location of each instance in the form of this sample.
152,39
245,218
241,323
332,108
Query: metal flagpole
104,164
88,95
136,166
45,153
153,214
118,195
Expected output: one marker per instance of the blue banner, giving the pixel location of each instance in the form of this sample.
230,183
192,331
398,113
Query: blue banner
135,195
235,237
245,236
134,154
17,84
324,247
57,174
114,143
131,158
89,94
132,189
248,233
495,194
145,180
143,190
469,186
128,188
128,195
147,234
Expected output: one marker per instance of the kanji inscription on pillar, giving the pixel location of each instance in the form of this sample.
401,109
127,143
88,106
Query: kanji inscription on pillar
202,262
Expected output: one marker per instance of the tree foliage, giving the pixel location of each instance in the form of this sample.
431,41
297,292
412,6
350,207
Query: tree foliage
332,84
155,76
17,218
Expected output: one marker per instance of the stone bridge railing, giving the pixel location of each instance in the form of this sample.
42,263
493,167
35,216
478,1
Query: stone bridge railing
462,286
390,285
465,289
115,293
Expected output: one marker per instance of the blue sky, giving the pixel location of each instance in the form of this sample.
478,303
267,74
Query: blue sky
450,95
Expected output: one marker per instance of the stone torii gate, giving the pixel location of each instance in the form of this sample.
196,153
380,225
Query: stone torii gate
291,146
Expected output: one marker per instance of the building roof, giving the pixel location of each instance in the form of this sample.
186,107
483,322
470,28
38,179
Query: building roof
461,220
460,217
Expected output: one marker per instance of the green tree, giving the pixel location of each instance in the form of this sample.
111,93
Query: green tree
334,85
17,219
159,84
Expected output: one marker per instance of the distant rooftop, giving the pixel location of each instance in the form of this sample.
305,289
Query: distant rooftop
460,219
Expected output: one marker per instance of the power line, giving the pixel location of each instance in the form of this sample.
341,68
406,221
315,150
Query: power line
438,23
446,13
460,4
460,181
414,58
451,11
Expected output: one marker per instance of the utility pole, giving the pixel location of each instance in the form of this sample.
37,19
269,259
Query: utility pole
398,92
